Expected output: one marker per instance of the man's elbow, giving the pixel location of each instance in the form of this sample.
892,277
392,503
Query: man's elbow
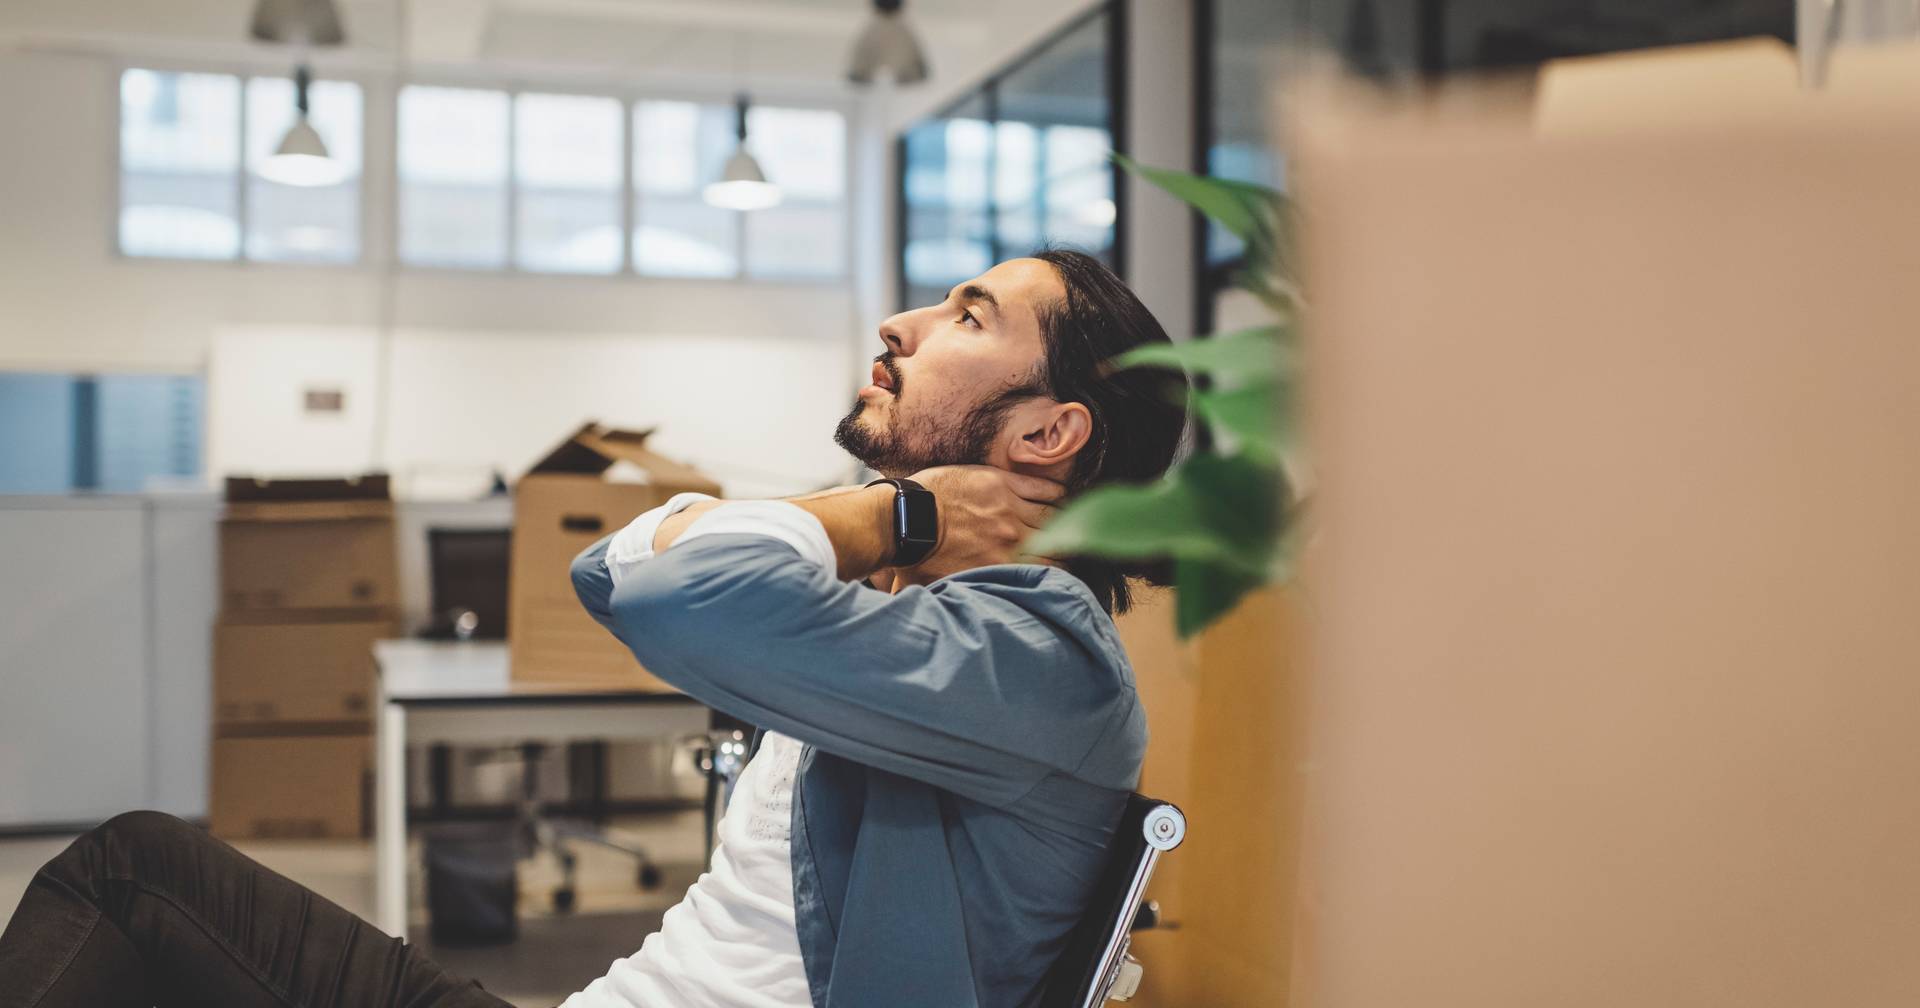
656,615
591,582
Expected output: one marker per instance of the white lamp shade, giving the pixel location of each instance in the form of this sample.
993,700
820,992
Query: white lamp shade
302,160
301,22
742,185
886,43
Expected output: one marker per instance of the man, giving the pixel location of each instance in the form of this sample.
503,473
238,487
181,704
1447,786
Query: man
950,735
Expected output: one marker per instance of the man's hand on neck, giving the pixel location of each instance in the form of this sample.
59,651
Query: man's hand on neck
985,514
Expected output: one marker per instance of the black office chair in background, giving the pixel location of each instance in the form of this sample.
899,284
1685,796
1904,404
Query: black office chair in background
468,571
1095,967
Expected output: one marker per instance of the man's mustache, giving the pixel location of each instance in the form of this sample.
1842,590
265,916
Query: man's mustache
885,360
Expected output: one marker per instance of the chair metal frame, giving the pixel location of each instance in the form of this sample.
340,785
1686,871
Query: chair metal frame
1148,829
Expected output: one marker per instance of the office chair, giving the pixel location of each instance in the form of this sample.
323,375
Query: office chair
538,831
1095,967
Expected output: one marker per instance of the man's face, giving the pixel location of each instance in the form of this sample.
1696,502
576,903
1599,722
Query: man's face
951,371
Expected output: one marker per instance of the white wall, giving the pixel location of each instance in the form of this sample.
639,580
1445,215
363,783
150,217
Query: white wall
756,412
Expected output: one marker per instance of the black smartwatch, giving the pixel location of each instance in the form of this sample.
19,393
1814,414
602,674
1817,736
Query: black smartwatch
916,522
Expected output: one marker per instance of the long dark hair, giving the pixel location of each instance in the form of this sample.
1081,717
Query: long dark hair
1139,415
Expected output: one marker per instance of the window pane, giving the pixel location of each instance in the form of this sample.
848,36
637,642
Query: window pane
114,433
303,223
453,177
1019,174
797,241
678,147
148,430
804,152
36,455
179,164
1247,41
946,182
1053,184
567,166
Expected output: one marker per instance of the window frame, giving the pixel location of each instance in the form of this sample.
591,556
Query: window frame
987,91
242,73
383,195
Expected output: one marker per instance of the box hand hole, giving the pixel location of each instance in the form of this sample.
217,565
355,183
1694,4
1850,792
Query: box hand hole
581,523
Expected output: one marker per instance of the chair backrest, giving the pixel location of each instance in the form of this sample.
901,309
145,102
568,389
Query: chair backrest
1097,945
467,570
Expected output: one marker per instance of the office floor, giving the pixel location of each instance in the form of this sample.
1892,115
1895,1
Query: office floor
554,956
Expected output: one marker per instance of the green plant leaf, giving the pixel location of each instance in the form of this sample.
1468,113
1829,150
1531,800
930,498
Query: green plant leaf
1243,208
1134,522
1232,359
1238,494
1206,591
1251,415
1224,509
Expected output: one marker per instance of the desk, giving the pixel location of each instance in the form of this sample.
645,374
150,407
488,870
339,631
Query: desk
445,691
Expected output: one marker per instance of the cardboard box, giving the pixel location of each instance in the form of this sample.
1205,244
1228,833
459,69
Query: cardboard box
565,503
285,673
307,544
291,785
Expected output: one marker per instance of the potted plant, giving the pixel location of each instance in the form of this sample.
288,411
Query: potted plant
1226,515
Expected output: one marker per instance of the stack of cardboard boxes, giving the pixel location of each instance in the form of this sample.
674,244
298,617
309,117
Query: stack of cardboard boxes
308,582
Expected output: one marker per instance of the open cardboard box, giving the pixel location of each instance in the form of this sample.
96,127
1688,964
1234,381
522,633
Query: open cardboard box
578,493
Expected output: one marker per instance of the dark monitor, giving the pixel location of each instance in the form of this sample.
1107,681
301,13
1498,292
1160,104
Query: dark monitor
468,573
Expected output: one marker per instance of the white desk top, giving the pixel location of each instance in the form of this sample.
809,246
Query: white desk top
425,670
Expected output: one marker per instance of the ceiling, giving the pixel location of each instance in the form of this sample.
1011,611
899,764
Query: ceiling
699,41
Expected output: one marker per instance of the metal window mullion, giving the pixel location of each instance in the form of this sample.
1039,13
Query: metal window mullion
629,228
992,95
241,212
119,158
513,180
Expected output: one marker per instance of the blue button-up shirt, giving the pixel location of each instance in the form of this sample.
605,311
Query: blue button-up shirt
969,747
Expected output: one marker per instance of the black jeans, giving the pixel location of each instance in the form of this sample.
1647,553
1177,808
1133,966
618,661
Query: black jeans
146,910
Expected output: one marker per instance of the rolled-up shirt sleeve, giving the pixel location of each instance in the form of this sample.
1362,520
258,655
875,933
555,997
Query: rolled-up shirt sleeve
981,684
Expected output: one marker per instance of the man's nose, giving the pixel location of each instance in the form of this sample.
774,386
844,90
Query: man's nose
901,333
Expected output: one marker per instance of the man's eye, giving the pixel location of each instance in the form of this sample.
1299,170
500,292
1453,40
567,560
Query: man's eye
966,318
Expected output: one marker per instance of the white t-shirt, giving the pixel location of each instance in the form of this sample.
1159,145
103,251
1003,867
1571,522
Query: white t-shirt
730,942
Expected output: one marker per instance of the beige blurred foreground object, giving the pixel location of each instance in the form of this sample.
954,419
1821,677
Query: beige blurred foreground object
1617,696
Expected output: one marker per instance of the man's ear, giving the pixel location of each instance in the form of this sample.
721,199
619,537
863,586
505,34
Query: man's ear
1047,434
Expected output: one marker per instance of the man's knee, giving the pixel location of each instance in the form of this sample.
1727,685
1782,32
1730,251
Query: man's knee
112,847
145,829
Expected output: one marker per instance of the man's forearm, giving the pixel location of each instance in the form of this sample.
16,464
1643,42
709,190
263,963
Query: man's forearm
858,520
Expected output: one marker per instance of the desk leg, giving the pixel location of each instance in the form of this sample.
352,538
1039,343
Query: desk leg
390,821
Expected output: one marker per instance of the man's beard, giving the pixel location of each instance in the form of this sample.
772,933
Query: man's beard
894,452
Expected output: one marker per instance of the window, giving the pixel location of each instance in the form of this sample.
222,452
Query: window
678,147
486,179
453,177
179,165
568,170
115,433
1019,164
564,182
303,223
182,191
804,152
948,228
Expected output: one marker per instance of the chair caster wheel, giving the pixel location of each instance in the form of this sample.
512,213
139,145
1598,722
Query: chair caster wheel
649,877
563,900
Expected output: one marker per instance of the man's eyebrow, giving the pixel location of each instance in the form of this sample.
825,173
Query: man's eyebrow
975,292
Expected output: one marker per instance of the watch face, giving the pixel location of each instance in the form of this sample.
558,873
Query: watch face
917,516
